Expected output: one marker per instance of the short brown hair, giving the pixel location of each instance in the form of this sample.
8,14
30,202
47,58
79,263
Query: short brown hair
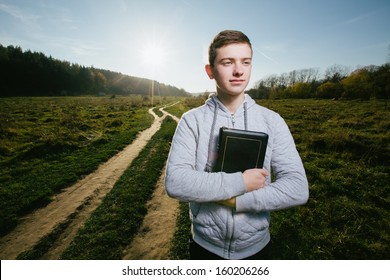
224,38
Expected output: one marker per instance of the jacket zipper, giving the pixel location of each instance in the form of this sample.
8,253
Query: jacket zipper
231,234
231,226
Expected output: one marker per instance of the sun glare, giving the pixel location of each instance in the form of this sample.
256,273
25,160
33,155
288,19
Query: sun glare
153,55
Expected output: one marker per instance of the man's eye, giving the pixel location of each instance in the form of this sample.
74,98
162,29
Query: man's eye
226,62
247,62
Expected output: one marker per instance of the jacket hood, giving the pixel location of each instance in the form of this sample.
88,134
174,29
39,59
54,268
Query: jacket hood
214,102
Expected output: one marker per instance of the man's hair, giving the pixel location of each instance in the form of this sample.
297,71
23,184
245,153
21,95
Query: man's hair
225,38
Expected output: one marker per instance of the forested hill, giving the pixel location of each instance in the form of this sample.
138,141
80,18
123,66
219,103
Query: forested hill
26,73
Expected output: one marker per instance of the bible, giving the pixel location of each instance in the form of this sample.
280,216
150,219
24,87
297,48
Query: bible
239,150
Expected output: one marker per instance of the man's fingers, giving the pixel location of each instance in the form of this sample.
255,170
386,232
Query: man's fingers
264,172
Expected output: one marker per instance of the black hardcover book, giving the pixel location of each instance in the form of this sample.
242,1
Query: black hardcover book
239,150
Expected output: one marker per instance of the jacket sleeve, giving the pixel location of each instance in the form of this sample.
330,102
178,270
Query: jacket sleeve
184,182
290,187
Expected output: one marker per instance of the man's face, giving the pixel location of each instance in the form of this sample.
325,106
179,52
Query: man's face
232,68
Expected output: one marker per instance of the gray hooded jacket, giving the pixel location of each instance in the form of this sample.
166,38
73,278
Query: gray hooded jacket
241,232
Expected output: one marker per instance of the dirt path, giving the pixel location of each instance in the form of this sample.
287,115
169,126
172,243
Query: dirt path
75,204
154,237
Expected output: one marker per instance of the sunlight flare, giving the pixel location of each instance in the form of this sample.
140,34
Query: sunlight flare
153,55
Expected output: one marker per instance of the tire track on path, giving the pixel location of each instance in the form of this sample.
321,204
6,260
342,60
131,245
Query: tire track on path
154,238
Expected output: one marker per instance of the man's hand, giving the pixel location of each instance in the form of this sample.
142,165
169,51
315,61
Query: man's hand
254,179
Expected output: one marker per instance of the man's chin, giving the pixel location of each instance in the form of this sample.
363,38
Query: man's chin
236,91
231,91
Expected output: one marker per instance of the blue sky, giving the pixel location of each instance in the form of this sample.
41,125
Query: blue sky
119,35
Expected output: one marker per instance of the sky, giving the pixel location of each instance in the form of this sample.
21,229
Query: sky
167,40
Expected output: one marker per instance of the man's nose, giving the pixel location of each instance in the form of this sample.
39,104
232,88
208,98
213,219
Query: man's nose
238,71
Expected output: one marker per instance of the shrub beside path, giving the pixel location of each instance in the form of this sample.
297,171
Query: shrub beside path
75,204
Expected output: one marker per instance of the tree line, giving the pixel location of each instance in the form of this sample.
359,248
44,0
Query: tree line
27,73
337,82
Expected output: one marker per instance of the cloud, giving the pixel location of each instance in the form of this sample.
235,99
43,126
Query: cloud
77,47
264,55
81,49
359,18
64,16
18,13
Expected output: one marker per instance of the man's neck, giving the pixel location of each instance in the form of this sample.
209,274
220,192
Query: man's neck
232,103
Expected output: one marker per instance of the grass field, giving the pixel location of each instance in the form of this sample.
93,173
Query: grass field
345,149
48,143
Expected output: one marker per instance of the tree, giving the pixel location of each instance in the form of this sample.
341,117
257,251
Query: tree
308,75
99,82
300,90
336,73
357,85
330,90
381,82
292,76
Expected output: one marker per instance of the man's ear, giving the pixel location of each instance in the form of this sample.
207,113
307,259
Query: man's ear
209,71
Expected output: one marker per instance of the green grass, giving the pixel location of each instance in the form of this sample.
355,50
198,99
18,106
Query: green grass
116,221
47,144
180,245
185,105
345,149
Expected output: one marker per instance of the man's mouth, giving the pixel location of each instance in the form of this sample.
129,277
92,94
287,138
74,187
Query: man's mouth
236,81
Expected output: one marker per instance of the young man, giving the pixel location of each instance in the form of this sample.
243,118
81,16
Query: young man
230,213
